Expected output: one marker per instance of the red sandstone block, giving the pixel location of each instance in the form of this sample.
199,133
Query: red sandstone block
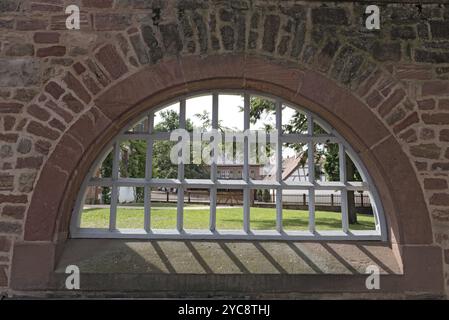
97,3
75,85
427,104
72,103
79,68
54,51
444,135
6,182
42,131
8,137
90,84
392,101
59,111
15,212
413,72
435,88
46,7
409,136
3,276
407,122
55,123
110,22
112,62
38,112
31,24
439,199
436,118
443,104
8,122
373,99
13,198
46,37
435,184
29,163
42,146
10,107
426,150
54,89
5,243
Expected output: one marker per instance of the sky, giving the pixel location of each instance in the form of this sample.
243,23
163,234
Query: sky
230,114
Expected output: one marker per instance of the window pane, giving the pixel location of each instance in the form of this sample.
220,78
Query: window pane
328,210
166,119
229,209
196,209
293,121
263,209
140,126
295,210
132,158
230,112
294,162
130,208
199,113
352,172
327,166
163,168
360,211
104,169
95,211
319,128
163,208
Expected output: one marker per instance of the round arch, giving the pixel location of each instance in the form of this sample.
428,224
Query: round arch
58,185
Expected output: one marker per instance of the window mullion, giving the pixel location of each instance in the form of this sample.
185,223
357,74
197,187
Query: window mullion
148,174
246,191
311,170
279,166
344,191
180,205
213,168
114,192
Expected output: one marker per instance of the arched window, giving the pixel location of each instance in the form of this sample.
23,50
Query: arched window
227,165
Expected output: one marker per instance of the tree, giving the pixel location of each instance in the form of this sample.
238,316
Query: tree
328,154
162,165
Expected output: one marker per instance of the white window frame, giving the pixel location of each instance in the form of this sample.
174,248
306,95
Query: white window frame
245,184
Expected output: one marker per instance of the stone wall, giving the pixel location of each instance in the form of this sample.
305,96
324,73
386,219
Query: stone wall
50,76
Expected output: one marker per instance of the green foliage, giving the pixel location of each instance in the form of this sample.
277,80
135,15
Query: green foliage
106,171
266,195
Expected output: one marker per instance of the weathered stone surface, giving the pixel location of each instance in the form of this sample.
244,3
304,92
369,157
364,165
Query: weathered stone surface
112,62
19,50
19,72
330,16
24,146
108,21
429,151
227,36
54,51
271,29
155,50
47,37
390,51
13,211
439,29
26,181
6,182
435,184
171,39
431,56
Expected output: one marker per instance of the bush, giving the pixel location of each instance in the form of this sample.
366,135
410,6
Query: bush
266,196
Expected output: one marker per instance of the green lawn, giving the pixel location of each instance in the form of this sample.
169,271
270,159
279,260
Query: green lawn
227,219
